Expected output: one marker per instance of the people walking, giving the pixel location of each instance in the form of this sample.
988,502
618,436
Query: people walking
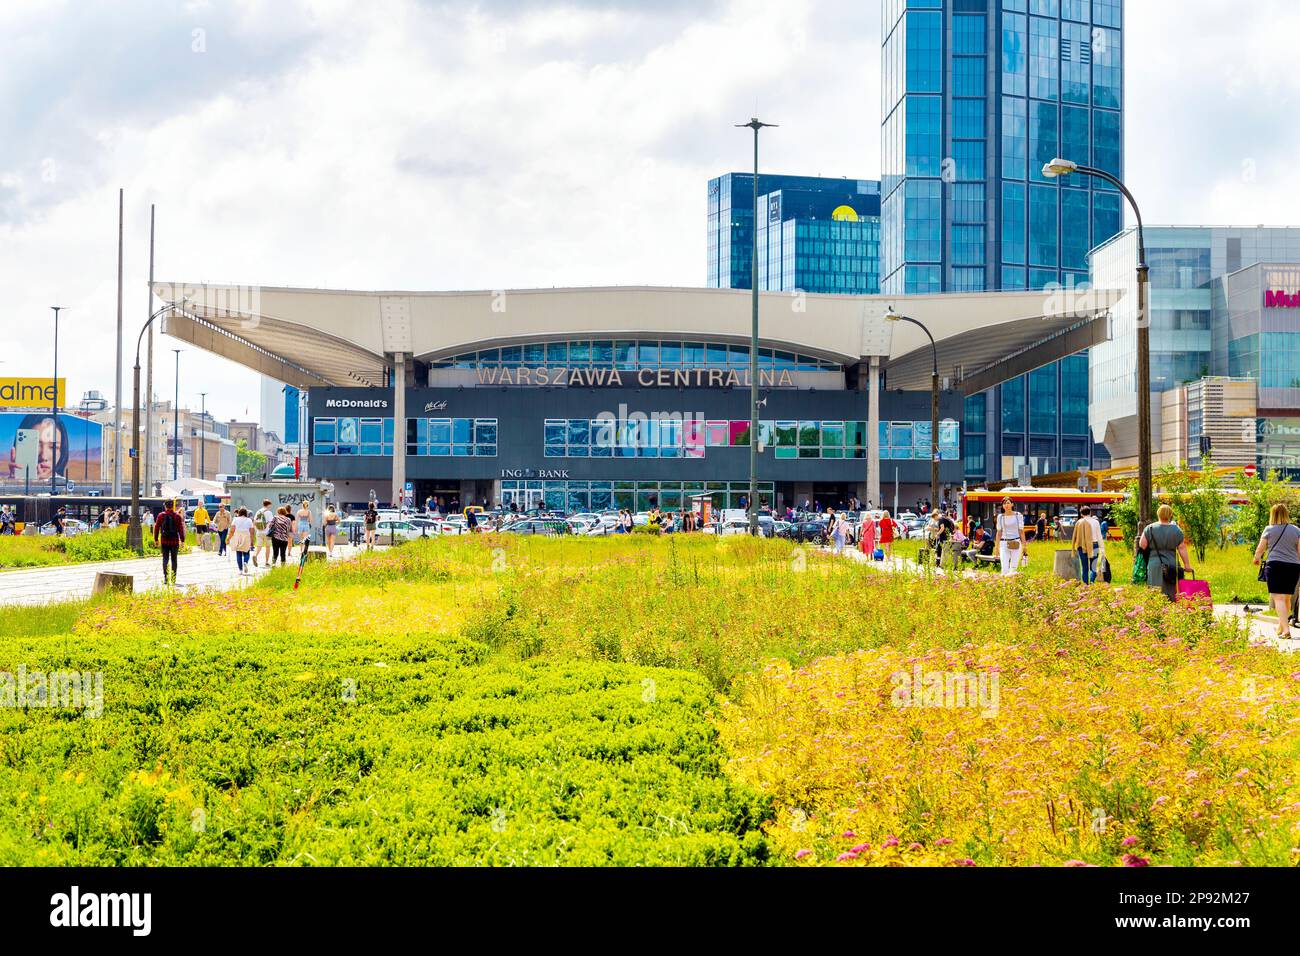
371,524
243,539
1098,539
304,525
1011,538
1279,549
330,525
221,524
202,521
168,533
279,532
888,529
1164,543
1082,544
262,522
839,530
867,536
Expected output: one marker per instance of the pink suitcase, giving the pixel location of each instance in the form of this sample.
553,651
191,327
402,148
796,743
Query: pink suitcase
1194,589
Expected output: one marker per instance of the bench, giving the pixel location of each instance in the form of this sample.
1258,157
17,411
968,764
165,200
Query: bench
986,559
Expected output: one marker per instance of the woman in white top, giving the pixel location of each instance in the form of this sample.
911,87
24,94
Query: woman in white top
1011,538
242,538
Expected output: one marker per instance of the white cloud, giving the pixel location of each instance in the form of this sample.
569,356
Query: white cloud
426,146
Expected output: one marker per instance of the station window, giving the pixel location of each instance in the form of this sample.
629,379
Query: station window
628,355
451,437
352,436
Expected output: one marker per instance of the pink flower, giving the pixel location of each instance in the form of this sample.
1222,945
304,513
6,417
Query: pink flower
1077,863
914,846
965,862
890,840
848,834
846,857
861,848
1131,860
942,841
800,854
1129,841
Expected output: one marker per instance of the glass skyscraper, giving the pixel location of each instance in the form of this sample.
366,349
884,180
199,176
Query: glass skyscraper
817,235
977,96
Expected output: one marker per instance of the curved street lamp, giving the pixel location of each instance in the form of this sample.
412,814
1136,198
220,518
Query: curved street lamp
134,538
893,316
1064,167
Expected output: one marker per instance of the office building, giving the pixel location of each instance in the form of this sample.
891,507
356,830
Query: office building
1210,314
977,96
817,234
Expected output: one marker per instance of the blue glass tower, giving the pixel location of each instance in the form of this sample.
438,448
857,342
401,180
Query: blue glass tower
818,234
977,96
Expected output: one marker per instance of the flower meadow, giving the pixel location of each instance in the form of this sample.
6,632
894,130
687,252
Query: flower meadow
660,701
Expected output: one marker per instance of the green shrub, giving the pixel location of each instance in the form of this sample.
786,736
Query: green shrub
363,751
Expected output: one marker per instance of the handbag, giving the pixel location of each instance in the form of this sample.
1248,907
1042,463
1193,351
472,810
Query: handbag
1140,567
1193,589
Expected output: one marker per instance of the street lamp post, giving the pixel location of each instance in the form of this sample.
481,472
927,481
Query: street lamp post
203,443
54,407
134,539
755,125
892,316
176,419
1063,167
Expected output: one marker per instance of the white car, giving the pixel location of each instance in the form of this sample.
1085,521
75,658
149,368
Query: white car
388,530
71,527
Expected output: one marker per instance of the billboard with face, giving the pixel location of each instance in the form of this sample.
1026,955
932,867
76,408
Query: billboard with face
35,447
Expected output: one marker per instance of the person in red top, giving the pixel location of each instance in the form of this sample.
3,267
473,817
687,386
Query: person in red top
887,535
168,533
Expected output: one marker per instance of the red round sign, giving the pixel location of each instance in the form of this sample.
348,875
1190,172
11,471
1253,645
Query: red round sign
1249,471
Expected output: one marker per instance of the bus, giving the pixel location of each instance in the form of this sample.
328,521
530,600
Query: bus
1064,503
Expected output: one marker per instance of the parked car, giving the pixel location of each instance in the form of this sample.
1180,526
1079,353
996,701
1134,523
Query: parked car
71,527
813,530
545,526
398,530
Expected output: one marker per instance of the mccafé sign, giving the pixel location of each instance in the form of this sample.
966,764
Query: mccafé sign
1277,299
32,392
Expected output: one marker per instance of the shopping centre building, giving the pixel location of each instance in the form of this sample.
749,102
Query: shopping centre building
623,397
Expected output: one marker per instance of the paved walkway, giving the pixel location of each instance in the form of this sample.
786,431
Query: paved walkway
1263,630
198,571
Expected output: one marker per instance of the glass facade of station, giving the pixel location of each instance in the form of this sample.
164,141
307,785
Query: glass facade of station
586,439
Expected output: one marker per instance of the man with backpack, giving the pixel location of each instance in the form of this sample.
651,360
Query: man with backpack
262,523
168,533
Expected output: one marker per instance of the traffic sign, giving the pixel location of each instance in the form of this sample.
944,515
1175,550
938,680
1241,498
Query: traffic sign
1250,470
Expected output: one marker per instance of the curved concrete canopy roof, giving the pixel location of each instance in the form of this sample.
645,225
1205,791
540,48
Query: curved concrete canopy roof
310,337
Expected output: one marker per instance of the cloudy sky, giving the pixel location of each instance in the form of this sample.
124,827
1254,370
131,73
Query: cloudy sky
411,144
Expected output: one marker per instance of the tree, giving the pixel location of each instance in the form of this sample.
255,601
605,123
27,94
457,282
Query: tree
1198,501
250,464
1261,492
1124,514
